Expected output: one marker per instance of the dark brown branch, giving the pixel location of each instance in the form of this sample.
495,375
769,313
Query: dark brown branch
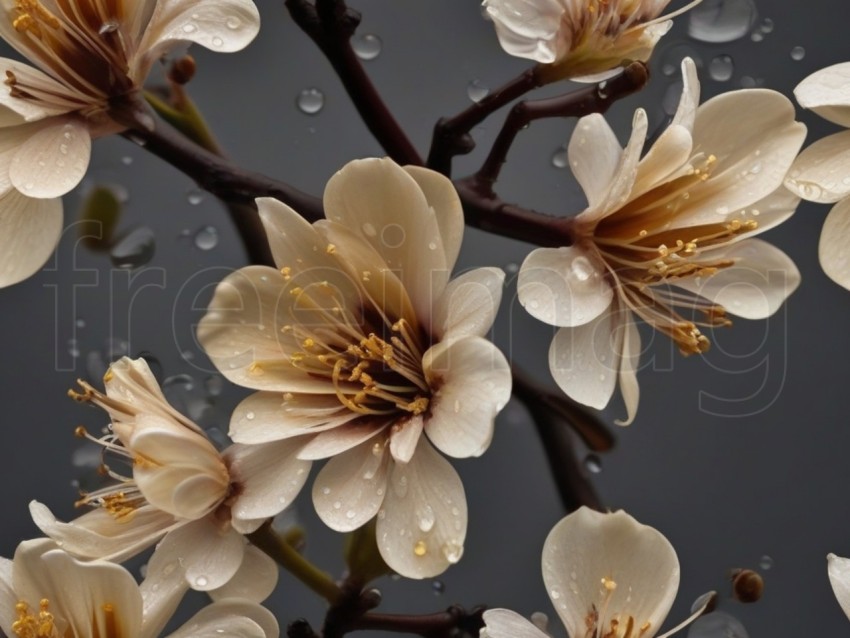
330,24
451,134
571,481
453,622
593,99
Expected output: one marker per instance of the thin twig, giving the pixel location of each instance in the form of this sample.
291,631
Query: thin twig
593,99
451,134
330,24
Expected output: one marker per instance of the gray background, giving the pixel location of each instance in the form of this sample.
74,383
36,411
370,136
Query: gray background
734,456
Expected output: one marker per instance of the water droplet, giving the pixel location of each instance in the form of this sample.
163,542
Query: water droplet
326,490
477,91
432,245
310,101
560,158
206,238
350,514
453,551
195,197
756,37
718,624
217,42
369,230
201,581
134,250
581,269
593,464
250,416
337,505
721,68
765,562
554,594
214,385
80,322
126,160
73,348
426,519
798,53
438,587
420,549
766,26
367,46
189,28
233,23
721,20
602,90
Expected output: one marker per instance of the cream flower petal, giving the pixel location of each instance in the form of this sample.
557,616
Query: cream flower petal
242,335
473,381
230,619
819,173
387,205
688,103
825,92
839,578
445,202
331,442
422,524
162,589
255,579
586,547
269,416
563,286
350,488
594,154
469,304
834,243
504,623
53,160
584,359
761,279
629,361
8,597
626,173
527,28
219,25
269,477
404,436
664,159
29,232
208,554
98,534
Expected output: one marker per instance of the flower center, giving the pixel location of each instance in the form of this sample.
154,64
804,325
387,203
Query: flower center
602,624
43,625
81,42
644,249
373,360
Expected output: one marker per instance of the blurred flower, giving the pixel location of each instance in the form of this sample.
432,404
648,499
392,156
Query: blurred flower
665,234
607,576
581,40
839,578
44,593
359,343
90,56
821,172
180,489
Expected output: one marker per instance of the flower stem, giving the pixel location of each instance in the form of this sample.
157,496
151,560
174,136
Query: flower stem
287,557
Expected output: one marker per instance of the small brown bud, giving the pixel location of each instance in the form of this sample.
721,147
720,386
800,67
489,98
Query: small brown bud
747,585
182,70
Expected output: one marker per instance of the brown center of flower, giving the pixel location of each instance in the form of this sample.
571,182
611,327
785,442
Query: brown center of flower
81,42
373,360
647,245
42,624
602,623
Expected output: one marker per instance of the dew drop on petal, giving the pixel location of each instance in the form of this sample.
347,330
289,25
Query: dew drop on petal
367,46
310,101
206,238
201,581
189,28
426,519
476,91
233,23
581,269
369,230
217,42
453,551
721,20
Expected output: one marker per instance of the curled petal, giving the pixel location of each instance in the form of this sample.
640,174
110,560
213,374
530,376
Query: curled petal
819,173
825,92
29,231
503,623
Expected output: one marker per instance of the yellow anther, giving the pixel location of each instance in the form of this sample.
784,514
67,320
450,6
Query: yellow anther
286,271
256,369
108,376
81,431
296,291
690,247
609,584
308,343
331,249
418,405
